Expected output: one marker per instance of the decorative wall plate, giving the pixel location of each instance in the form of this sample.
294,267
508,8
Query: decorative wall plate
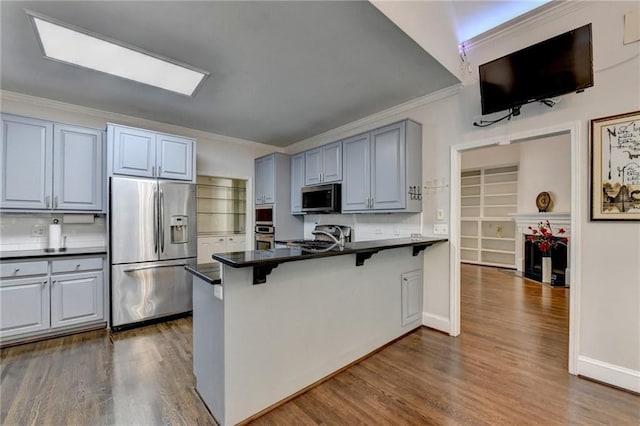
543,201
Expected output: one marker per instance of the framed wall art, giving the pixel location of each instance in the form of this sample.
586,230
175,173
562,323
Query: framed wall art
615,167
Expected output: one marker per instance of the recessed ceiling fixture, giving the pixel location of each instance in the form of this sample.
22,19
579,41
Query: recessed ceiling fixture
65,43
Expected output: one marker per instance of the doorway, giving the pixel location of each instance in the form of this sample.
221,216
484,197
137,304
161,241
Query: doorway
572,130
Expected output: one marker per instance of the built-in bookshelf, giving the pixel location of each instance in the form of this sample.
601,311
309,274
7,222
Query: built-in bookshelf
221,205
487,232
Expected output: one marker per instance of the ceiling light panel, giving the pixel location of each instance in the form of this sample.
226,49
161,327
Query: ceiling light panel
64,43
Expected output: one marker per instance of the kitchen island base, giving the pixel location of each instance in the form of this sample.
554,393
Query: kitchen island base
256,345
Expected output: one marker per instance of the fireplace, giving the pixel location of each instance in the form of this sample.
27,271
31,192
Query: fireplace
533,263
529,258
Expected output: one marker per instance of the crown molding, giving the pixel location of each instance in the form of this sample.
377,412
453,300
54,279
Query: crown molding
129,120
549,11
374,118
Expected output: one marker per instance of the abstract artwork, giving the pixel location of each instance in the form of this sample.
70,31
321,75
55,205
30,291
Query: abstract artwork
615,167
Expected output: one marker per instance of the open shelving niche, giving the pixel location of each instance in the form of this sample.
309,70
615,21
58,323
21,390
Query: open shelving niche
487,232
221,215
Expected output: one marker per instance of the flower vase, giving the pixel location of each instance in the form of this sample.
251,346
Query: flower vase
546,269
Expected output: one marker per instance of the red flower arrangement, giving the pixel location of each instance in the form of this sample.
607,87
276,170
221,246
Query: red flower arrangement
544,238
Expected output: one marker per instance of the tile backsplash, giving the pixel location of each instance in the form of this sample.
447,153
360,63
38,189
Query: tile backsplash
368,227
18,230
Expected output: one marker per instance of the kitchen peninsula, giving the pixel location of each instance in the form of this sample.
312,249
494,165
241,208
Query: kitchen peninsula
270,323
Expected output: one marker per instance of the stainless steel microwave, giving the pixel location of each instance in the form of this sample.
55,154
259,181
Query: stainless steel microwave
322,198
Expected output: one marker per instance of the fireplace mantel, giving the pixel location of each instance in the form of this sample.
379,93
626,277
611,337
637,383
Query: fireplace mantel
532,219
526,220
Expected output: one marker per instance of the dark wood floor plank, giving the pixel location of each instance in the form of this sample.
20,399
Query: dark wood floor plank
509,366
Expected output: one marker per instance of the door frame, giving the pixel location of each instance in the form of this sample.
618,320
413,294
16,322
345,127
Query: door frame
577,169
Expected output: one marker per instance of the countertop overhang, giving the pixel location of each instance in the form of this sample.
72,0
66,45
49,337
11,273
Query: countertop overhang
208,272
264,261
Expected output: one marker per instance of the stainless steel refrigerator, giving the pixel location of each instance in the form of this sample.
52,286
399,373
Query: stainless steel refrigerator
153,235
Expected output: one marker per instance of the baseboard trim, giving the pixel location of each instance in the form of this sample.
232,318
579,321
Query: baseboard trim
614,375
436,322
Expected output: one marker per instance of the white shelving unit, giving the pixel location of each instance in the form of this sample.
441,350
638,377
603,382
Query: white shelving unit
487,232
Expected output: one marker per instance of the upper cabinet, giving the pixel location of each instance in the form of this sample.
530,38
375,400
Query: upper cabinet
47,165
265,188
382,169
297,182
323,164
139,152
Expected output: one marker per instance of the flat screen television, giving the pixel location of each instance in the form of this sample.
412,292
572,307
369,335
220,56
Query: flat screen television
559,65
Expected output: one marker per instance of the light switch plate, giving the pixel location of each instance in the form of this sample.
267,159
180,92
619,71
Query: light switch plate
440,214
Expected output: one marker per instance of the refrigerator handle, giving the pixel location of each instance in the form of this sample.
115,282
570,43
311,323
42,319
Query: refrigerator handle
155,220
161,221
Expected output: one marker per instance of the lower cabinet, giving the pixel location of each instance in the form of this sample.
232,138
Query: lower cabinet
219,244
411,290
76,298
24,305
43,297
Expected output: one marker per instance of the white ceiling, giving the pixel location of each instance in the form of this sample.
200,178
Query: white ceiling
280,71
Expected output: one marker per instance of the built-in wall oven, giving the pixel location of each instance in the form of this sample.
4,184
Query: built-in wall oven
265,231
264,215
265,238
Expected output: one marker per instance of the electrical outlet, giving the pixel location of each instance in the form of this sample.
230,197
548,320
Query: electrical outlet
38,231
441,229
378,231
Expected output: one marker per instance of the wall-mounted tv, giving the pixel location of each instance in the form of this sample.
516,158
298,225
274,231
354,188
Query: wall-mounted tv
553,67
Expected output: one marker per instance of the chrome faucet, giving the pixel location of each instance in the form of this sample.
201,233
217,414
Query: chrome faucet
339,241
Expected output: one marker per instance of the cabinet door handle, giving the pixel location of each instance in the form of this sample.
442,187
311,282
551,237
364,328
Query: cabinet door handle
78,266
55,202
221,239
47,201
405,279
372,201
43,283
53,283
153,171
159,170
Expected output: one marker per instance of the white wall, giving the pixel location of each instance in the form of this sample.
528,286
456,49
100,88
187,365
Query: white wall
545,165
492,156
610,271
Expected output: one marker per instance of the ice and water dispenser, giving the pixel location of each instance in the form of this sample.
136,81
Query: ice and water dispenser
179,229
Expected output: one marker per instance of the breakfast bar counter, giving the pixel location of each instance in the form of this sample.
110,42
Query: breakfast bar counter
257,345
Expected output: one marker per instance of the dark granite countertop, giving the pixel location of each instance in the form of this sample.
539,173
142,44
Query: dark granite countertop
209,272
18,254
243,259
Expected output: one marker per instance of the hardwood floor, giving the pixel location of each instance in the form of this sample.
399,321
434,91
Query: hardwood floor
508,367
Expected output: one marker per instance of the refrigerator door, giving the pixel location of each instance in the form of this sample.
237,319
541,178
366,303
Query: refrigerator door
134,223
144,291
177,223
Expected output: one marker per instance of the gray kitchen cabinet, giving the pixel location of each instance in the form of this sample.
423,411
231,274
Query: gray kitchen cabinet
24,305
382,169
411,295
44,297
297,182
24,298
265,179
76,298
323,164
356,186
140,152
51,166
78,168
26,159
